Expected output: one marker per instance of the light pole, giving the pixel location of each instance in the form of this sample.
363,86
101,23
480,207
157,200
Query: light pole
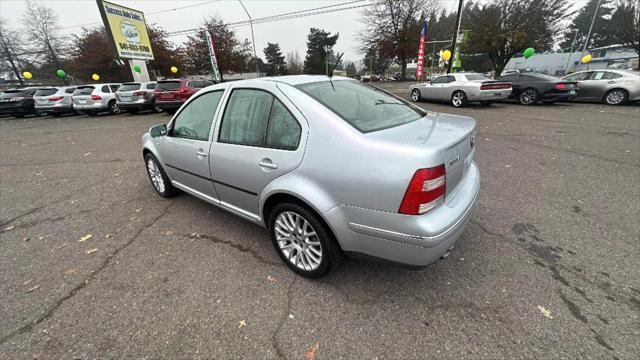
593,20
455,35
566,67
253,40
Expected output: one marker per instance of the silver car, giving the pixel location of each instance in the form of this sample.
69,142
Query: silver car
54,100
93,99
613,87
134,97
328,167
461,88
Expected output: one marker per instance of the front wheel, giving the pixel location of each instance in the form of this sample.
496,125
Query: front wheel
415,95
459,99
528,96
303,241
616,97
158,177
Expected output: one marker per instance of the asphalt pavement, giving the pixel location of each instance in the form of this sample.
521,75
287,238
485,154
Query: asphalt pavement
93,264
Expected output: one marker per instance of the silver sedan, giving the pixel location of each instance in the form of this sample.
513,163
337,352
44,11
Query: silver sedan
461,88
613,87
328,166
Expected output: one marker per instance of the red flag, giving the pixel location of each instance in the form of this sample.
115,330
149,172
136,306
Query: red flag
421,51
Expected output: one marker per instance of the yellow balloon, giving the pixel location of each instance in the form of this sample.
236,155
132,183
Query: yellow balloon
174,69
95,77
446,55
27,75
585,59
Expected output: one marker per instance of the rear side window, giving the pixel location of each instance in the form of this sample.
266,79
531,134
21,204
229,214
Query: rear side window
129,87
362,106
105,89
151,86
45,92
194,121
85,90
169,85
284,130
245,117
114,88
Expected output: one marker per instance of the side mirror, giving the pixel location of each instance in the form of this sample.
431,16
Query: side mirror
158,130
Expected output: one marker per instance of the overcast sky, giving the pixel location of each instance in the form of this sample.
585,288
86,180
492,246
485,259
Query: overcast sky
290,34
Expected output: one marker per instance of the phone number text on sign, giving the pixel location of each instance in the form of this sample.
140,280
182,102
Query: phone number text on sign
133,47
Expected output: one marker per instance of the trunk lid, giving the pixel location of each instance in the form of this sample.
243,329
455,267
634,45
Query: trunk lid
451,135
168,90
126,91
42,96
82,96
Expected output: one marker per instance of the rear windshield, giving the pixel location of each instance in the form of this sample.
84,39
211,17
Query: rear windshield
198,84
472,77
362,106
45,92
169,85
10,93
84,90
129,87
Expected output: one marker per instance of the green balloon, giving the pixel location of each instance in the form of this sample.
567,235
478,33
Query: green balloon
137,68
61,73
528,52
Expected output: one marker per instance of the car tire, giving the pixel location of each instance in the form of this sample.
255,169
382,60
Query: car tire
156,108
528,96
616,97
459,99
114,109
159,179
415,95
288,224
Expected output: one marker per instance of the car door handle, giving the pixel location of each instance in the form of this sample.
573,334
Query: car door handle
201,154
267,163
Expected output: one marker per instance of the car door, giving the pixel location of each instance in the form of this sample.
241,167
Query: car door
259,139
445,91
185,150
584,85
432,89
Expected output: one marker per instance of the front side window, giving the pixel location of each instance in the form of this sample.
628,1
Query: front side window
364,107
440,80
577,76
194,121
245,118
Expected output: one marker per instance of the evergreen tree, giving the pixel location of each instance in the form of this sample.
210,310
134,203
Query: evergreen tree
275,60
317,42
582,21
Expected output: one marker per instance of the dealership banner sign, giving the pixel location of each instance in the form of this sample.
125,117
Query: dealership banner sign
127,31
211,45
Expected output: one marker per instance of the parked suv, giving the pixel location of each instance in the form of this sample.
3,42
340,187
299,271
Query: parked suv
134,97
18,102
54,100
92,99
171,94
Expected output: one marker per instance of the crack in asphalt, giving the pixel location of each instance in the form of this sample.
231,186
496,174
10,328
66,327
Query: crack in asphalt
2,224
49,313
244,249
283,319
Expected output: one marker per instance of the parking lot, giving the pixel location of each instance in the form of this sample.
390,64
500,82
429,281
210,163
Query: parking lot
547,268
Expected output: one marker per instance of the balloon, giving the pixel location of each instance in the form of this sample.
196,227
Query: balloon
95,77
585,59
528,52
137,68
174,69
61,73
27,75
446,55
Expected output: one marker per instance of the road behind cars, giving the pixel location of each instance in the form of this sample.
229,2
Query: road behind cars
547,267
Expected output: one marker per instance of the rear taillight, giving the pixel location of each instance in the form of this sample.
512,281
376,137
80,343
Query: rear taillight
561,86
55,98
498,86
139,93
425,191
96,97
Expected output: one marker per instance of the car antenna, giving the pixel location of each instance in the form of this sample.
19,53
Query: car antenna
331,72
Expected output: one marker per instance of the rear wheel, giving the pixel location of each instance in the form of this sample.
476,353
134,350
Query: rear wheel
616,97
415,95
303,241
459,99
158,177
528,96
114,108
156,108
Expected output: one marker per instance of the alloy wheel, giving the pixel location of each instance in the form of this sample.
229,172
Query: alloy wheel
528,97
155,175
458,99
615,97
415,95
298,241
115,109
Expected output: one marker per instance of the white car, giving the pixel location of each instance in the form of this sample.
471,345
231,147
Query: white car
461,88
92,99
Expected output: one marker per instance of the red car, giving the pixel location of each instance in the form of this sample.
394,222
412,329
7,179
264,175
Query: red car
171,94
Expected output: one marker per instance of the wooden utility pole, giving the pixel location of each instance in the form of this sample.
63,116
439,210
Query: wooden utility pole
455,36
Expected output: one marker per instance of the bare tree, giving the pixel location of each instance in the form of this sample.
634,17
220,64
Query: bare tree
392,28
41,25
10,49
294,63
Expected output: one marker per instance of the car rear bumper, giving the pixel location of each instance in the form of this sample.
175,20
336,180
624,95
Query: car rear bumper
90,107
407,239
169,104
140,104
54,108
